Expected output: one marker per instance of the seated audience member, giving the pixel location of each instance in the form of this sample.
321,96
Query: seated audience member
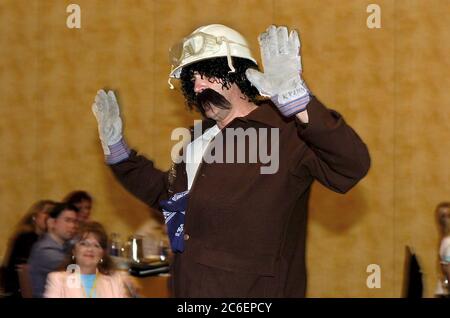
443,217
83,201
50,251
30,228
89,269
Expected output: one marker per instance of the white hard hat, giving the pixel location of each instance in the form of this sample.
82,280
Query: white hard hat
210,41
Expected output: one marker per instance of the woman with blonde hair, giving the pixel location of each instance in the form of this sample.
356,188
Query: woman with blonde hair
28,231
89,272
443,217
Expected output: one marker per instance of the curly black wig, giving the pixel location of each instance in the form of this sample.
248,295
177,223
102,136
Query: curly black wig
217,70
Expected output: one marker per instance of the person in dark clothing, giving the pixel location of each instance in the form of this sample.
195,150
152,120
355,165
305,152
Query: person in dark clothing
236,200
32,226
83,201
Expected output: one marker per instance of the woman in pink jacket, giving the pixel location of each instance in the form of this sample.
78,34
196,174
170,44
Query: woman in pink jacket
89,272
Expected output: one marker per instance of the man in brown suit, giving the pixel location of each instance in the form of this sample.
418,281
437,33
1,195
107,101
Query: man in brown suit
238,227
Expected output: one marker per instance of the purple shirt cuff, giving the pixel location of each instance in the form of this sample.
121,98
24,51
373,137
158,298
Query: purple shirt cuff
294,107
119,152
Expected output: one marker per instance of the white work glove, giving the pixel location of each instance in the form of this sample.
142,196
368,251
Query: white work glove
281,80
106,111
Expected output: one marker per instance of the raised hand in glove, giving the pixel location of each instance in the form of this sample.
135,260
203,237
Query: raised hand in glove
106,111
281,80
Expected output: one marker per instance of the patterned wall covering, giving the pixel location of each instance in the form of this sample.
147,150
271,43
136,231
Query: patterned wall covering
391,84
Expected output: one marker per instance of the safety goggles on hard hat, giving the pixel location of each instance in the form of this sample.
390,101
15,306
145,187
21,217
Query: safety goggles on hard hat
197,44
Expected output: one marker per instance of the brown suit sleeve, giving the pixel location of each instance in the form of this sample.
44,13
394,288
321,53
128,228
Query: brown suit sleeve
138,175
334,154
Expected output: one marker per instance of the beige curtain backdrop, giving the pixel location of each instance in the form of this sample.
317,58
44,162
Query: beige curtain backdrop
391,85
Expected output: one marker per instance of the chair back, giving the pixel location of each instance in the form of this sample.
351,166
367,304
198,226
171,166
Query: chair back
23,271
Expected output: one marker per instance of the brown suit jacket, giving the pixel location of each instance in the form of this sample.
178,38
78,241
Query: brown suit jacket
245,231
